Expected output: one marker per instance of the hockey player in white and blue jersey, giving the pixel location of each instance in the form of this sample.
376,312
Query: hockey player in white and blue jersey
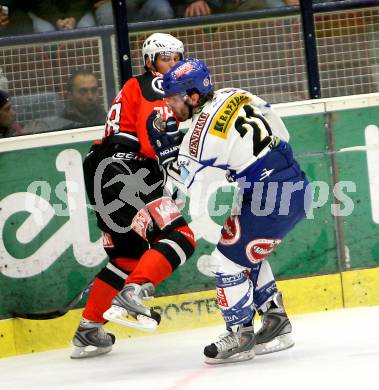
238,132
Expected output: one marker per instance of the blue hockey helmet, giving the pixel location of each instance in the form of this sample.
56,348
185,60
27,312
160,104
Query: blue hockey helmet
185,75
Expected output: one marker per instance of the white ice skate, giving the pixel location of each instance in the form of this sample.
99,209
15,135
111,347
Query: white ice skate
128,309
232,347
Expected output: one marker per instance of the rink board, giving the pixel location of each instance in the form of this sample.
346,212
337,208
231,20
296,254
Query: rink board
195,310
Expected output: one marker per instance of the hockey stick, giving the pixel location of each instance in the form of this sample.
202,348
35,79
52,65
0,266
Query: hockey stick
49,315
362,148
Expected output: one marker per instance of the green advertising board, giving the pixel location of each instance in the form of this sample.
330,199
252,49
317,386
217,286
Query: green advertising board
360,233
50,247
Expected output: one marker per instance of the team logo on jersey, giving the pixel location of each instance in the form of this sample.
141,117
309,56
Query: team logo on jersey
227,113
231,231
157,85
257,250
196,134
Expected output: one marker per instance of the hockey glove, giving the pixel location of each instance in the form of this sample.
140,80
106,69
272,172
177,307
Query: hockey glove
164,137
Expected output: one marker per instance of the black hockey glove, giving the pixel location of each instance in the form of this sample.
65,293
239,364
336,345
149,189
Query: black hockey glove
164,137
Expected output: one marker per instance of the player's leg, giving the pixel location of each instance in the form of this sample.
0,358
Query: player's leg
171,249
90,338
235,299
275,332
248,240
160,223
290,205
123,250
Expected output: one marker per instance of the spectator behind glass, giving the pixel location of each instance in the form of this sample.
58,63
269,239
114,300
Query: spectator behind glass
51,15
8,125
207,7
83,107
14,18
3,81
251,5
137,10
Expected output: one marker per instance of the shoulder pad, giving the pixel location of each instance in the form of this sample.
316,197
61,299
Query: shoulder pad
151,86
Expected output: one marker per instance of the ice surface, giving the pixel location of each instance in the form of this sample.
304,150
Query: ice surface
334,350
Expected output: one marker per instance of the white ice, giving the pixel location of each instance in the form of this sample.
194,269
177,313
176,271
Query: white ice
334,350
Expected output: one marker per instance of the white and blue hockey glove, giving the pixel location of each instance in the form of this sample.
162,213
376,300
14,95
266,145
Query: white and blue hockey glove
164,137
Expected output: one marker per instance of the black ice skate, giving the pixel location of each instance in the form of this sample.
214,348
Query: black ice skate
232,347
90,340
275,333
128,309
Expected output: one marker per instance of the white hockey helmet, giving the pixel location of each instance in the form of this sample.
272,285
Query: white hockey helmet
158,43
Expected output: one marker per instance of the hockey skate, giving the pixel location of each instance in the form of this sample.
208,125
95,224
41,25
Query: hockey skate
232,347
275,333
128,309
91,340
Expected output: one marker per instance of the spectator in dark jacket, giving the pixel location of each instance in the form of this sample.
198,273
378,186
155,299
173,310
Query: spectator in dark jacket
8,125
50,15
83,107
137,10
188,8
14,18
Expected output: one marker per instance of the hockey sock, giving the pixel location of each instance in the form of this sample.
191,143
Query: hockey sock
99,300
235,298
152,267
124,263
164,256
106,286
264,284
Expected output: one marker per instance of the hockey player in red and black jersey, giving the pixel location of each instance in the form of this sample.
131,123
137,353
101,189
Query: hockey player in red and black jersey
145,235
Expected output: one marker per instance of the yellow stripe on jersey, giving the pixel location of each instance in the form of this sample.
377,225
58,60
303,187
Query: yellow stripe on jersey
226,114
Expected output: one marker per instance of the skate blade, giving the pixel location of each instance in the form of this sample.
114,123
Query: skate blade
121,316
84,352
279,343
238,357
